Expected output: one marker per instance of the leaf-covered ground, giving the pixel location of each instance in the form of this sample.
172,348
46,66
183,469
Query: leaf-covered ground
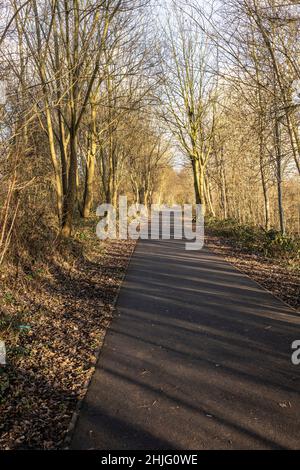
54,321
274,275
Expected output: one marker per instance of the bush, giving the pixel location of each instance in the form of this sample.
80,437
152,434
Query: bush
255,239
278,245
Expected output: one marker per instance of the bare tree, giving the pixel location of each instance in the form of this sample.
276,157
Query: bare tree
189,99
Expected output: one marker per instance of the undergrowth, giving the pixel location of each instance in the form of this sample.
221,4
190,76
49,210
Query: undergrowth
269,243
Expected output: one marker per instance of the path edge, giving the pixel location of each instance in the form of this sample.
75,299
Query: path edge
75,416
293,309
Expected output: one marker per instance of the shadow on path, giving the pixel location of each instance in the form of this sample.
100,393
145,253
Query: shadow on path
198,357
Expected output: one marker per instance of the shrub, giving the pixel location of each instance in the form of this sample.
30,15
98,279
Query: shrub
255,239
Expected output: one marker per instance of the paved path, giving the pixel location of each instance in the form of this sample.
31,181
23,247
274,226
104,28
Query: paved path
198,357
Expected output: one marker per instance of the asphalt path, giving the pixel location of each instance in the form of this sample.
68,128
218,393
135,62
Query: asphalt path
198,356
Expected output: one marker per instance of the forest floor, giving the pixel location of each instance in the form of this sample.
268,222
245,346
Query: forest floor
275,275
53,320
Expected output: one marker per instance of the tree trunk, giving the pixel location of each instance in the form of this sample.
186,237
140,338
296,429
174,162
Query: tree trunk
263,178
70,199
265,193
208,198
279,176
55,164
199,182
90,168
88,190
